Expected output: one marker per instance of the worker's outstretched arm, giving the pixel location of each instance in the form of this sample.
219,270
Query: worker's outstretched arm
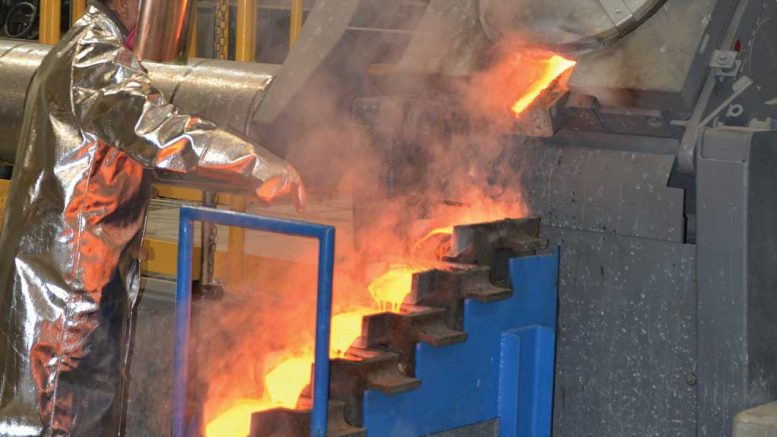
113,99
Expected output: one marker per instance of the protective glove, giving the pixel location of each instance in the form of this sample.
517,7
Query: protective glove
287,183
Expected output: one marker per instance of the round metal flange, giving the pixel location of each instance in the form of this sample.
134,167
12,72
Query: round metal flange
564,25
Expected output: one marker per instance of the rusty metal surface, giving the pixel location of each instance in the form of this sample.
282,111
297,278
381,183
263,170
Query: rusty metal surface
493,244
366,369
224,92
401,333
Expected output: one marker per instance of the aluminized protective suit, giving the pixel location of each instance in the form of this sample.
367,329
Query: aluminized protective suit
94,133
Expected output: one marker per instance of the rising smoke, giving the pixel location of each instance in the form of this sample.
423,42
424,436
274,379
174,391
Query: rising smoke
434,159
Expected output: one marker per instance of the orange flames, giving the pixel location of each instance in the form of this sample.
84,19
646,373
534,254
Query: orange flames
285,382
507,90
552,68
281,381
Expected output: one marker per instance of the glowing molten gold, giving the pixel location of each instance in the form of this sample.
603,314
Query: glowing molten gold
552,68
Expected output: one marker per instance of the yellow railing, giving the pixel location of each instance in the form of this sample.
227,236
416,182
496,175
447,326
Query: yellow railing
50,13
77,8
4,186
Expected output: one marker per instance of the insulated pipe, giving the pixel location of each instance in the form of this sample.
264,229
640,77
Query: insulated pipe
228,93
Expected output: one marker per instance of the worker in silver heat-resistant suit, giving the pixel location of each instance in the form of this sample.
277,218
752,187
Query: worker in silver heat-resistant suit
95,132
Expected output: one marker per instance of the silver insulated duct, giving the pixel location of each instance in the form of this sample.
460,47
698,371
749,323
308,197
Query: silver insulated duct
225,92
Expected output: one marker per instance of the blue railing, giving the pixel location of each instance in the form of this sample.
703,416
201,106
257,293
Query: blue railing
326,238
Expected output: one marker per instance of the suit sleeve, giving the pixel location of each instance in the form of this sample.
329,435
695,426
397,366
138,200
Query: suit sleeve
113,99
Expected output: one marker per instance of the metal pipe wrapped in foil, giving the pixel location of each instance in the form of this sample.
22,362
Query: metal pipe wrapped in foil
18,62
93,134
224,92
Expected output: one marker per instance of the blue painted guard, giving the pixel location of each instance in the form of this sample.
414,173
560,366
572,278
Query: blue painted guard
504,370
326,248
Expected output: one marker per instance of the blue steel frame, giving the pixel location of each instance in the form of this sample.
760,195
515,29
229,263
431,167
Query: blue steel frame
326,238
504,370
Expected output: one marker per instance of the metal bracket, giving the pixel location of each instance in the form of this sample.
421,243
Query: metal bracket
619,12
724,59
726,63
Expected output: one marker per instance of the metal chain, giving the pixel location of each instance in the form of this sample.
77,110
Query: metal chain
221,33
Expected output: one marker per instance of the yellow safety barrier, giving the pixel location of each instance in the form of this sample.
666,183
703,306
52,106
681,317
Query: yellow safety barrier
193,35
162,259
297,12
245,43
4,187
77,9
50,13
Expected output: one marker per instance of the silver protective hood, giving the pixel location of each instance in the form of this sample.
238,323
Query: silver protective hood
94,134
163,30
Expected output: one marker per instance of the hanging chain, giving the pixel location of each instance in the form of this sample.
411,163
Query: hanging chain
221,43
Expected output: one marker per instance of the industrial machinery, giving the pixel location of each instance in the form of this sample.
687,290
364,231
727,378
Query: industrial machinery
18,19
485,319
653,170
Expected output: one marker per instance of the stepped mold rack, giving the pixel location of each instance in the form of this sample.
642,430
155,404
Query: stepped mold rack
474,342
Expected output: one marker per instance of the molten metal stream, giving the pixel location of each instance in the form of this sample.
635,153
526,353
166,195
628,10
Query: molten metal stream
391,288
553,67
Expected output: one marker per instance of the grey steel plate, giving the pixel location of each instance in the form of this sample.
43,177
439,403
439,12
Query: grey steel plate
566,24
